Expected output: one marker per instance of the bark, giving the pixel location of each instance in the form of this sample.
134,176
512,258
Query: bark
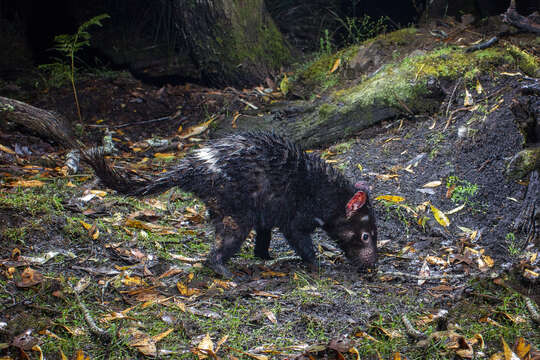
231,42
47,124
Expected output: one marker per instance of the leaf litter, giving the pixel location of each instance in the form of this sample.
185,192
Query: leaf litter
428,256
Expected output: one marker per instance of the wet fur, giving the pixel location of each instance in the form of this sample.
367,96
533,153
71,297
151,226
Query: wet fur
260,181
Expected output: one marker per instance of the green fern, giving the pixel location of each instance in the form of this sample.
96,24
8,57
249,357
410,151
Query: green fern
69,45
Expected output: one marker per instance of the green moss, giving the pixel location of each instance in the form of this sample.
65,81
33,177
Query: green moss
326,110
528,63
406,82
398,37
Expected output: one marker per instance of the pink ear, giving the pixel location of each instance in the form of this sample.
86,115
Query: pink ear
357,201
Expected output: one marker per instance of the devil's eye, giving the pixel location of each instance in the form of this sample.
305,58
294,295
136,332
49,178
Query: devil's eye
365,237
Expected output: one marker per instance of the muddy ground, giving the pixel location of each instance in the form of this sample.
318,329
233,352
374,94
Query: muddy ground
281,309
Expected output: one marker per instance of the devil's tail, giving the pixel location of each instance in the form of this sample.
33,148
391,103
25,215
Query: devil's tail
123,184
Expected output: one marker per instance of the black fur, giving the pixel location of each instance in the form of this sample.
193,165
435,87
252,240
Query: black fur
261,181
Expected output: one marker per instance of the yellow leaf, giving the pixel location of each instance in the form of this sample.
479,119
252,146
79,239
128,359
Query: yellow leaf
434,260
355,352
158,337
86,225
62,356
468,99
205,347
391,198
522,348
479,88
439,216
284,85
6,149
270,273
196,130
99,193
166,156
27,183
508,353
531,275
432,184
336,65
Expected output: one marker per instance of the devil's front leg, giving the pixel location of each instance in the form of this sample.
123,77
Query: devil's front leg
298,235
262,243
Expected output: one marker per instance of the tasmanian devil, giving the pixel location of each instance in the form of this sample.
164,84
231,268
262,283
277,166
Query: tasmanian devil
260,181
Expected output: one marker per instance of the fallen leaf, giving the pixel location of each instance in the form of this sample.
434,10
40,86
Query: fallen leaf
432,184
391,198
270,316
468,101
424,272
508,353
27,183
205,348
196,130
479,88
6,149
440,216
522,348
29,278
336,65
455,210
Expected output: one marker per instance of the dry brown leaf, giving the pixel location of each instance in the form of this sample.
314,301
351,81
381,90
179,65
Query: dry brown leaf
270,315
508,353
270,273
29,278
432,184
27,183
522,348
6,149
144,343
264,293
205,348
164,334
424,272
468,101
196,130
185,290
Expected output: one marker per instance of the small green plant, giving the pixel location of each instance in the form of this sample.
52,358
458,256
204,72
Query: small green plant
359,29
463,189
326,43
512,245
69,45
393,209
434,140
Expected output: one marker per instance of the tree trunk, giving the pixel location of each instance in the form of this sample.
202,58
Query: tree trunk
231,42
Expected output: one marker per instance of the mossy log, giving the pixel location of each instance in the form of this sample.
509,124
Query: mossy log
46,124
342,115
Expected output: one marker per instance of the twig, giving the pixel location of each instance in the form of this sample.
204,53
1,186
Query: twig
482,45
532,309
164,118
94,329
452,97
410,330
431,277
402,103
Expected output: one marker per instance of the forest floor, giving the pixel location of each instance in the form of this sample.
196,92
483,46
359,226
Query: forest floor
136,264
